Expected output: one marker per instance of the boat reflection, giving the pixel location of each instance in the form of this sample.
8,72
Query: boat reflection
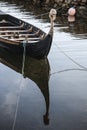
36,70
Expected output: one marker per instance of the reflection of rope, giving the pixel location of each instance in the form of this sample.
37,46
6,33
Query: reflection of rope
18,99
21,83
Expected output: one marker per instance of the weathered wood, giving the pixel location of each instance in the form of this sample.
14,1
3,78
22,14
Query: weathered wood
20,35
16,42
14,31
24,39
11,27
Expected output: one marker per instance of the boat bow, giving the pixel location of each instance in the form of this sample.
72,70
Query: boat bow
52,16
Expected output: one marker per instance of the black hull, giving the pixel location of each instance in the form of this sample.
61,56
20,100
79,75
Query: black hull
38,50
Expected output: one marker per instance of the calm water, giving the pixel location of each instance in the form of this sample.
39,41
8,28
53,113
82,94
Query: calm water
52,93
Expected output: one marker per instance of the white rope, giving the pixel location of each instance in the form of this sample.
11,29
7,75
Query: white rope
81,66
65,70
38,15
71,58
24,56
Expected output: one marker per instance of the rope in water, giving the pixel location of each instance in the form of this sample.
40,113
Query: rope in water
24,55
81,66
66,70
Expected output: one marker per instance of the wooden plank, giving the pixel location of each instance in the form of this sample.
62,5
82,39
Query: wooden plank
14,31
14,42
24,39
20,35
12,27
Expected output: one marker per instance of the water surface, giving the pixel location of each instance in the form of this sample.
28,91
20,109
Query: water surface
52,93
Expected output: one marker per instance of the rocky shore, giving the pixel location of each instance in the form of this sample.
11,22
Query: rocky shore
64,5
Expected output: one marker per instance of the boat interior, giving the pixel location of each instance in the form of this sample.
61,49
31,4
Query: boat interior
19,31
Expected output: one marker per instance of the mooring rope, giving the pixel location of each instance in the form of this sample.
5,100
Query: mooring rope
38,15
43,13
66,70
24,56
81,66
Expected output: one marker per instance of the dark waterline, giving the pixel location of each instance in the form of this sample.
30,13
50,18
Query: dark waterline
52,93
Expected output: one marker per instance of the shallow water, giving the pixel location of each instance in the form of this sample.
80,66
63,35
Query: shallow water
52,93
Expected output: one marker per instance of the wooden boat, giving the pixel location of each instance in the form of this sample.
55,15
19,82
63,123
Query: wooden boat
36,70
17,35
